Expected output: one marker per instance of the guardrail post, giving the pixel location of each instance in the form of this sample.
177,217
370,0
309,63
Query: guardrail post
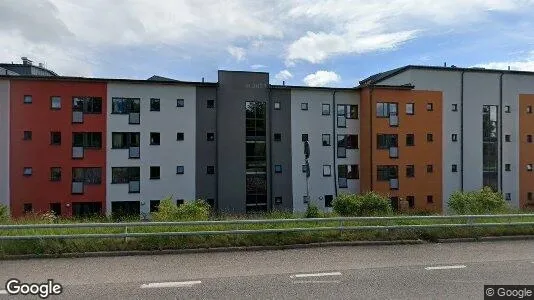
341,228
470,223
126,232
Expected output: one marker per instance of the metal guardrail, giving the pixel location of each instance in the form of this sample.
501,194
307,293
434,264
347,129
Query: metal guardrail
469,223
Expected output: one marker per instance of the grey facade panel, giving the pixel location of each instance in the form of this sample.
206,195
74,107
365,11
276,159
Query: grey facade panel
281,185
235,88
206,151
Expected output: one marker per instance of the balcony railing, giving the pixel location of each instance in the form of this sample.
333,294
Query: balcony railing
77,188
134,152
134,118
77,152
77,117
393,120
394,184
393,152
134,186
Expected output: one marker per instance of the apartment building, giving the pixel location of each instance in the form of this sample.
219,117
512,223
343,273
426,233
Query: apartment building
80,146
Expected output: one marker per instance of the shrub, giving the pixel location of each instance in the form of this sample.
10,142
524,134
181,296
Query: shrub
369,204
4,215
312,211
196,210
484,201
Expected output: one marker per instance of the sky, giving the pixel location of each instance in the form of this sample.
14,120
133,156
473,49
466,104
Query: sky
302,42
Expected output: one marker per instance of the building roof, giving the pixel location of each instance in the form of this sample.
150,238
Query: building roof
27,69
122,80
161,78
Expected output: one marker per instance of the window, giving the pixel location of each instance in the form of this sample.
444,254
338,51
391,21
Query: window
352,111
28,99
55,138
410,171
125,174
507,138
429,168
87,140
429,199
179,202
277,137
154,172
28,171
328,199
341,116
385,173
384,110
27,135
55,102
347,141
180,103
490,146
455,107
278,168
325,109
179,136
507,167
429,106
179,169
411,201
454,168
155,104
210,136
125,105
87,175
154,138
529,196
125,140
508,196
210,170
341,146
346,172
154,205
210,103
326,139
353,172
327,170
304,137
256,156
28,208
277,200
304,168
87,105
410,139
277,105
304,106
529,138
305,199
410,109
429,137
507,109
55,174
386,141
529,167
454,137
529,109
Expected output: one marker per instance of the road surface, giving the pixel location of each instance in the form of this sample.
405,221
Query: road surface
422,271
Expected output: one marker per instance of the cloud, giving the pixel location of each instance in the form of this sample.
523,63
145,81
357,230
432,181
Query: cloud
524,64
321,78
258,66
237,52
283,75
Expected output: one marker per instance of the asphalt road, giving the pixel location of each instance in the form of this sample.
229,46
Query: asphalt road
423,271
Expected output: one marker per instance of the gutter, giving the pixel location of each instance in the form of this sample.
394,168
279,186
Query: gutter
371,89
501,135
462,132
270,149
334,140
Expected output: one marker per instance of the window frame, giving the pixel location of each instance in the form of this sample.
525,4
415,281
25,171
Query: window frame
454,107
328,142
52,98
132,174
87,104
180,170
430,168
277,105
27,135
277,137
429,106
210,170
180,102
52,134
152,142
430,137
507,109
454,168
412,105
508,138
277,169
153,102
412,135
25,99
58,174
97,180
507,167
210,103
327,170
30,169
305,137
304,106
180,136
210,136
327,112
454,137
410,174
157,172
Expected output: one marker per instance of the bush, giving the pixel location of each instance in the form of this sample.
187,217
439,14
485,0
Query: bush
369,204
4,215
484,201
196,210
312,211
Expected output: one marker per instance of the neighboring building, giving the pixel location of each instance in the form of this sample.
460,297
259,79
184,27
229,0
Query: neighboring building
26,68
84,145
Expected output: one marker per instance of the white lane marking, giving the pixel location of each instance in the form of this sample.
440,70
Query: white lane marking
315,275
445,267
316,281
170,284
3,292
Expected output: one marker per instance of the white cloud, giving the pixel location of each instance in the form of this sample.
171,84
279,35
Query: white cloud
283,75
525,64
237,52
321,78
258,66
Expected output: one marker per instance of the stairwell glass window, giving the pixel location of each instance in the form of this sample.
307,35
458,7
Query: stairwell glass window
410,108
55,174
326,139
304,106
55,102
278,168
325,108
180,103
155,104
507,167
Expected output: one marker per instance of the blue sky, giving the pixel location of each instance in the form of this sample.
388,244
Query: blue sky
304,42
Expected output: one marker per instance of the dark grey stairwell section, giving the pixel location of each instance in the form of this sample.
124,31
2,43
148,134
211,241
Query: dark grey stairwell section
206,151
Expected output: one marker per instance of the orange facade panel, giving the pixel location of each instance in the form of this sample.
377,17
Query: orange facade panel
526,151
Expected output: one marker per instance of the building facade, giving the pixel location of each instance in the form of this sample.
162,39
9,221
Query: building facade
79,146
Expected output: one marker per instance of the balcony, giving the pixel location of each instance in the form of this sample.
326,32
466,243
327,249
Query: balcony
77,152
77,117
134,152
393,120
77,188
134,186
393,152
134,118
394,184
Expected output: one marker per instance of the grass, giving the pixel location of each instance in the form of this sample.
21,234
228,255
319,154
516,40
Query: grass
57,246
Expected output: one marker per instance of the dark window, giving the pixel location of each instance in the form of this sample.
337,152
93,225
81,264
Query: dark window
325,109
277,200
508,138
328,199
490,145
154,138
28,99
154,172
278,168
210,136
87,105
345,172
411,201
277,137
256,156
454,168
386,141
529,196
529,138
508,196
154,205
529,167
353,172
125,174
55,102
341,115
55,174
429,137
385,173
507,109
155,105
327,170
410,139
384,110
454,137
28,208
429,106
429,168
210,103
55,138
507,167
326,140
341,146
210,170
429,199
352,141
352,111
125,105
27,171
87,139
529,109
179,136
211,202
180,103
304,137
125,140
27,135
455,107
179,169
410,171
410,109
304,106
87,175
55,208
277,105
